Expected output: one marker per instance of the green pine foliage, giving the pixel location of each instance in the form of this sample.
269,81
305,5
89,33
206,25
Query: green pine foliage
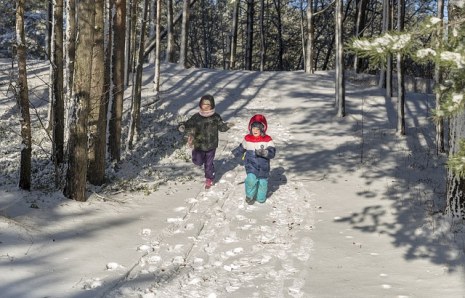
420,45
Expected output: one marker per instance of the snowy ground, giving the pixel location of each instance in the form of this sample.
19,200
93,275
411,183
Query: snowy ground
354,211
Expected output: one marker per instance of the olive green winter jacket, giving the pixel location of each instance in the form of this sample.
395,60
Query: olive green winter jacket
205,130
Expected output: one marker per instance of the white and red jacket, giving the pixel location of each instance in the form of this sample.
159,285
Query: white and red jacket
258,165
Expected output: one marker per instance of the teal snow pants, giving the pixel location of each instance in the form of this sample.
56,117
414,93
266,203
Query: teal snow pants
256,187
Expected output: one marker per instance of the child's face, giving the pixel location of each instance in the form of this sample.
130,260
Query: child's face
205,107
255,131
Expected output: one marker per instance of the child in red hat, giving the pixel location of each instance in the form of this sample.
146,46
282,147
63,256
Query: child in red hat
257,149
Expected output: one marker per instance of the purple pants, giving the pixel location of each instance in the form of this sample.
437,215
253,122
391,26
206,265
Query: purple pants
205,158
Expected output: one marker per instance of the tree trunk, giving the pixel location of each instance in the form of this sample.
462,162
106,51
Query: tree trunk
134,126
48,37
340,82
386,16
400,73
262,36
119,23
57,82
97,111
152,42
75,187
389,62
359,27
170,50
235,25
456,184
131,29
309,57
70,46
440,144
279,30
23,100
156,83
184,34
249,35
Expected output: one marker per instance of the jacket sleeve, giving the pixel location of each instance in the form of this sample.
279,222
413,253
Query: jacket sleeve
189,125
222,126
238,151
271,152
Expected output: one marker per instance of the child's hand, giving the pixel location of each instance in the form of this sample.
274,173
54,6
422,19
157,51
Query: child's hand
261,152
230,124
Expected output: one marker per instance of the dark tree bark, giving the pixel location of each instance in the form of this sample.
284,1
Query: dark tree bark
262,36
57,96
249,35
75,185
22,96
440,144
48,37
119,23
279,30
97,111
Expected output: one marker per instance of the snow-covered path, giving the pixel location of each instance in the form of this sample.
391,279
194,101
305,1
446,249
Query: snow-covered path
220,246
352,210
